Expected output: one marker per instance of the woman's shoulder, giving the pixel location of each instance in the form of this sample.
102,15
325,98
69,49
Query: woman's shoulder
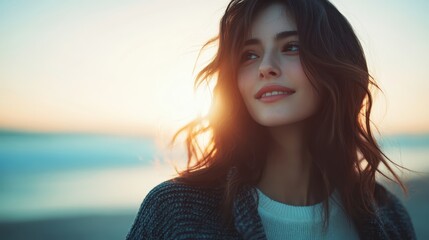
173,202
386,200
174,199
176,190
392,214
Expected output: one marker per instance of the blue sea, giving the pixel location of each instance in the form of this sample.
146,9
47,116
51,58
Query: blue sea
45,175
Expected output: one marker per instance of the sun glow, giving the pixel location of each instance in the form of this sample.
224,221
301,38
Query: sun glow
86,66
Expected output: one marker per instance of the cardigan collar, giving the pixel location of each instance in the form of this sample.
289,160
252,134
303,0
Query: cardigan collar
247,221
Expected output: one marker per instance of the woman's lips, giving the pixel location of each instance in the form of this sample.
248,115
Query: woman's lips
273,93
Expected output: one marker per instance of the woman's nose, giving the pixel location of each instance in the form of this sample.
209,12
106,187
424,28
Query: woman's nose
269,68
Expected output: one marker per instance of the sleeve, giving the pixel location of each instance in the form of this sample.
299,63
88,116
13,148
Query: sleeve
154,218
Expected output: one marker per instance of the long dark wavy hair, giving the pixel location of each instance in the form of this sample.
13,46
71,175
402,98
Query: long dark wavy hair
343,148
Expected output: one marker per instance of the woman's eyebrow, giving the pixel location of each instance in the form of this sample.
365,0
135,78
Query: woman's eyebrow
285,34
279,36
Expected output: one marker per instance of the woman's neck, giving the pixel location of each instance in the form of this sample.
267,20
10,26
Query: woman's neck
288,170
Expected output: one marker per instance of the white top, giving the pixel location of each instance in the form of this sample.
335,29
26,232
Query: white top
282,221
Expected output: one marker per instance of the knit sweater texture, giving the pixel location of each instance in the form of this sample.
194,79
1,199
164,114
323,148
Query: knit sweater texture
174,210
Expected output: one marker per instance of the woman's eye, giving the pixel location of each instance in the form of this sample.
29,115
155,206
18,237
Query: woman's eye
248,56
291,48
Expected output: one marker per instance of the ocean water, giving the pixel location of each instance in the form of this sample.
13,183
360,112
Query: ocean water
54,175
41,152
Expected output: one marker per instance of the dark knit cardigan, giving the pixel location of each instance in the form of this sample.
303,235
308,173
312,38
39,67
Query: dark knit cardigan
173,210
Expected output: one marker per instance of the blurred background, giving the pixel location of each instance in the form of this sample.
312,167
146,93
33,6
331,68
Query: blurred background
92,91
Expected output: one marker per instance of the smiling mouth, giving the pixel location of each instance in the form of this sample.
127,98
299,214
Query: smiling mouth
273,91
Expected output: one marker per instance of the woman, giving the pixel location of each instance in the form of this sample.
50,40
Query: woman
292,155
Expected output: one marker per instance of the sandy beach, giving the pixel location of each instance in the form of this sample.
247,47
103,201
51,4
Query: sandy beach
107,227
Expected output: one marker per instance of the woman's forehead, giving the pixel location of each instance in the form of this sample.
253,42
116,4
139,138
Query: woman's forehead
274,18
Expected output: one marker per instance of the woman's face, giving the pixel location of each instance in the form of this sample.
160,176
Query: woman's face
271,80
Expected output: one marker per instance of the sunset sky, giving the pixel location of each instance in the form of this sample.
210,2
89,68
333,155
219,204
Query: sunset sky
127,66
